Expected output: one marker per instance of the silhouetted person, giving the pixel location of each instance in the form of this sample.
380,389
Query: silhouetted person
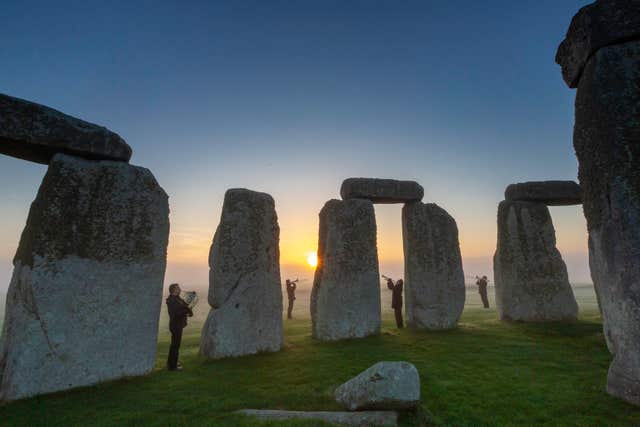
396,299
178,312
291,294
482,283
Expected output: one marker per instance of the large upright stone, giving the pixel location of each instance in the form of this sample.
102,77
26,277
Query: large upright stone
600,24
551,193
85,296
244,279
531,281
381,190
34,132
607,143
345,299
434,279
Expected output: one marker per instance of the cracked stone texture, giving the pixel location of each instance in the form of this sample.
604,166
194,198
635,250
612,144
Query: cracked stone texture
381,190
244,279
345,299
607,144
551,193
34,132
434,279
597,25
84,300
353,419
385,385
531,281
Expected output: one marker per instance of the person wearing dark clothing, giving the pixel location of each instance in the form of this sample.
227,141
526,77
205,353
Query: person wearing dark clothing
291,294
396,300
482,283
178,312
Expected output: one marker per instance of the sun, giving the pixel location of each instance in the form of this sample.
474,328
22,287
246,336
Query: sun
312,259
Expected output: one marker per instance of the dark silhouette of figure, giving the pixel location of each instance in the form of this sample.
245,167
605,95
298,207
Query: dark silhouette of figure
178,312
396,299
482,283
291,294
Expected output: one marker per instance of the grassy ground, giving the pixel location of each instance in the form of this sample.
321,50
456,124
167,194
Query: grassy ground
485,372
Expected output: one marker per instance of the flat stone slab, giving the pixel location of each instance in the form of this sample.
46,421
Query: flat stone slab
85,296
600,24
551,193
36,133
385,385
355,419
381,190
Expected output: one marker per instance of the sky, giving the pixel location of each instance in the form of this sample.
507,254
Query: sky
292,97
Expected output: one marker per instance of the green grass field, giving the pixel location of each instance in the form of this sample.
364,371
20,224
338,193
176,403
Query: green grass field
484,373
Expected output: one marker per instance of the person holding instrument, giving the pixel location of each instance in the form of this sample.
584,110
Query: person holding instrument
482,283
178,312
291,294
396,299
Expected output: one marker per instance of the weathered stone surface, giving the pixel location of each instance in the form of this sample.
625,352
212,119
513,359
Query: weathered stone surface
355,419
551,193
385,385
381,190
434,279
531,281
345,299
607,143
85,296
244,279
34,132
600,24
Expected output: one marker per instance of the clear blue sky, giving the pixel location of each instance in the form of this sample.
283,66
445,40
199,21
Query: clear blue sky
291,97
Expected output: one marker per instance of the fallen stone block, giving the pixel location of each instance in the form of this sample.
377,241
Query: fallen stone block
352,419
385,385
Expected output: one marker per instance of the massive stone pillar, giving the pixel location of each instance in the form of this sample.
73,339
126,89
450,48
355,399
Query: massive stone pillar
85,296
345,300
244,279
531,281
601,57
434,279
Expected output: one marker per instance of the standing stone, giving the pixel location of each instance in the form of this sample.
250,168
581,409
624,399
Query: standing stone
434,279
385,385
381,190
345,299
34,132
85,296
244,279
531,281
607,143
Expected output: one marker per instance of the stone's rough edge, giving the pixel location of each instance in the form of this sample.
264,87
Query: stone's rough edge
359,418
380,190
36,132
595,26
552,193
